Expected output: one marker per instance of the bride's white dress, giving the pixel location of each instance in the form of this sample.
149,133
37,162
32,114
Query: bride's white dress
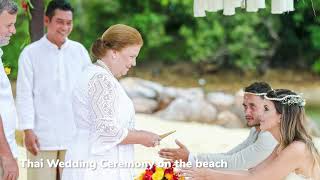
103,115
294,176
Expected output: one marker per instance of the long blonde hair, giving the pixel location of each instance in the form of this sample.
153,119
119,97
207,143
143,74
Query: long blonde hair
292,124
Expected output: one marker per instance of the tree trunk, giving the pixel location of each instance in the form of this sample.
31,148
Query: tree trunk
36,25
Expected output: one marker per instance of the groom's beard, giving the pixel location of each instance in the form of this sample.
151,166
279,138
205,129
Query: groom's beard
253,125
251,122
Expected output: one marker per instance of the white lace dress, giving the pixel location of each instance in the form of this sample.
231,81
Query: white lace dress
103,115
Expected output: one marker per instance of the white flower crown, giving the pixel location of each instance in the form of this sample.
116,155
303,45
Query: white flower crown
257,94
289,100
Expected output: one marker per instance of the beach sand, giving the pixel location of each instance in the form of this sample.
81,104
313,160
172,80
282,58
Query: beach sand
197,137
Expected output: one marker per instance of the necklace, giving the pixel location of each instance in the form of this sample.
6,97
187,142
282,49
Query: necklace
104,66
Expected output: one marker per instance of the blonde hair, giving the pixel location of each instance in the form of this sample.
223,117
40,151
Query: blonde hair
116,37
292,125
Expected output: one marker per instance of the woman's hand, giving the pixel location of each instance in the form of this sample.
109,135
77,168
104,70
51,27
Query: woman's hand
149,139
195,173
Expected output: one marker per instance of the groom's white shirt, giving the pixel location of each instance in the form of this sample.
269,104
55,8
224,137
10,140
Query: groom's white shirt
256,148
46,78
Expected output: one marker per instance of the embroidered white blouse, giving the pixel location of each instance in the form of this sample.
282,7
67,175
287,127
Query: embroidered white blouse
103,115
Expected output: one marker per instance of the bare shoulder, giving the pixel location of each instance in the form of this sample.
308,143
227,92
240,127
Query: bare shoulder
296,148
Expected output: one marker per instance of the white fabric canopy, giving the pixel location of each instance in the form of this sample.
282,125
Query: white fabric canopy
229,6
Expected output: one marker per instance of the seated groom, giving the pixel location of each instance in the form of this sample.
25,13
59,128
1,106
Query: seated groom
256,148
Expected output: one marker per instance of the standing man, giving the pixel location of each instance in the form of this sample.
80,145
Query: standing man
8,148
256,148
48,69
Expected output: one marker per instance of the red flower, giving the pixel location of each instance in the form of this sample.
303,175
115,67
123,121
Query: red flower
175,177
24,5
153,169
148,174
168,171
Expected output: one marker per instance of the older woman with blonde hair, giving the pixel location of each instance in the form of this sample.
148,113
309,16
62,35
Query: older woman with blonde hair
295,158
104,114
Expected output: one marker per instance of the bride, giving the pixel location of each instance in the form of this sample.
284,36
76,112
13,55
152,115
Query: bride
296,156
104,114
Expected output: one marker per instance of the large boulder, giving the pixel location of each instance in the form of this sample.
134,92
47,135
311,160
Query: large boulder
237,107
170,93
166,97
136,87
229,120
144,105
190,93
202,111
183,109
177,110
221,100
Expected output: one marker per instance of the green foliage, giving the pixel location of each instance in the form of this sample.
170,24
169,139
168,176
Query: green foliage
17,43
245,41
316,66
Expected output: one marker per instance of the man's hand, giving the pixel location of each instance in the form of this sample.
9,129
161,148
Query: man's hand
181,153
10,168
31,142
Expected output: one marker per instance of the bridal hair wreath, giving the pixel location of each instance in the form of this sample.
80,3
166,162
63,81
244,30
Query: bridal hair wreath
256,94
289,100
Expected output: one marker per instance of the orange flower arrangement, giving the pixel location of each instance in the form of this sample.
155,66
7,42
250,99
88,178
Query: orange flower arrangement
160,173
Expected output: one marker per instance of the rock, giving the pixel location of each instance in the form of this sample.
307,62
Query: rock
238,98
177,110
166,97
151,85
182,109
144,105
190,93
239,112
136,87
237,107
229,120
202,111
221,100
170,93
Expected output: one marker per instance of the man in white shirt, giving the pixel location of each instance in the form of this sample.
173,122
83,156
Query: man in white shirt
256,148
48,70
8,148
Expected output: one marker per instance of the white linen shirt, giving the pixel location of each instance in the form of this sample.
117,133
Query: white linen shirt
7,109
45,82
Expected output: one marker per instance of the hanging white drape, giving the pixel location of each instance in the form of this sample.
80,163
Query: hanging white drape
229,6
